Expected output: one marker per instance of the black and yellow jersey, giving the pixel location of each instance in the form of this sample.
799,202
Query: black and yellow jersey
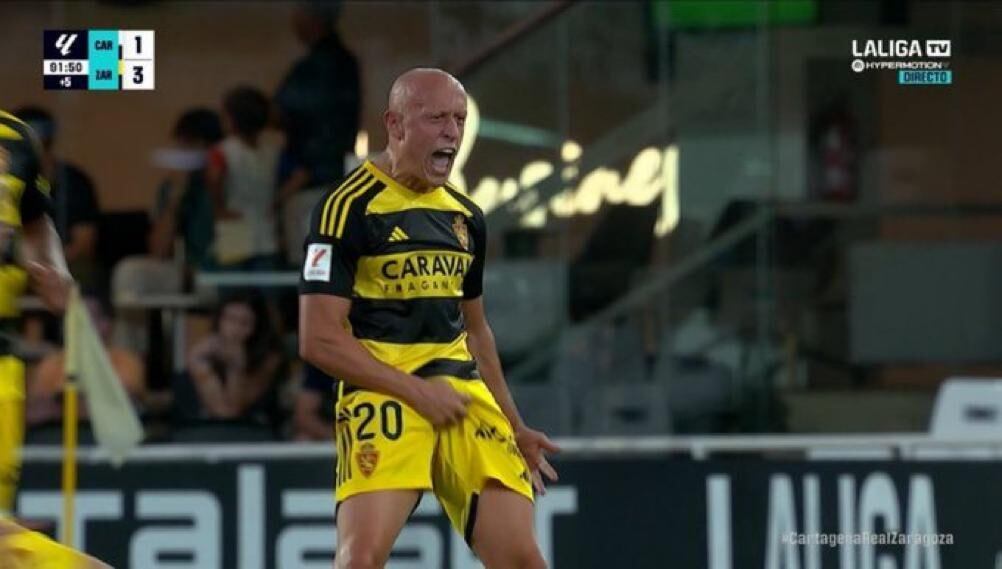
23,199
24,196
405,259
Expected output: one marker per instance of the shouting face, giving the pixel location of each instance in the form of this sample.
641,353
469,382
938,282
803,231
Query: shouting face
425,125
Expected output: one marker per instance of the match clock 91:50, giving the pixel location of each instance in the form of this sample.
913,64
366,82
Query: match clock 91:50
66,66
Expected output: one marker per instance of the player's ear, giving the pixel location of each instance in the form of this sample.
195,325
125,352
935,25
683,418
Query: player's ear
394,125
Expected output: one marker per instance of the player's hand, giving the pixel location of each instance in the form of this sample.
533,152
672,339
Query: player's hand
50,285
534,445
438,402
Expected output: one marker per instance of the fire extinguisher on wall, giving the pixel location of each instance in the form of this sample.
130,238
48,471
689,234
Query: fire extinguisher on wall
836,154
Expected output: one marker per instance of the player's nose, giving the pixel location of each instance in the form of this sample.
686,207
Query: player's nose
451,130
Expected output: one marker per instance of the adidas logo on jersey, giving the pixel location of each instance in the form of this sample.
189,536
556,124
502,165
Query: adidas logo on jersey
398,235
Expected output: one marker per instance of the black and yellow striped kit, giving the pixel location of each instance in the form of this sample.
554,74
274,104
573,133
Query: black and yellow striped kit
23,199
406,259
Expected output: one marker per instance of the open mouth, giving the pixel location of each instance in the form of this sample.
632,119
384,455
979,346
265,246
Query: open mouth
441,160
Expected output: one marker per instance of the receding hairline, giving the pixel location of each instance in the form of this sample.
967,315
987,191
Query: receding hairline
402,90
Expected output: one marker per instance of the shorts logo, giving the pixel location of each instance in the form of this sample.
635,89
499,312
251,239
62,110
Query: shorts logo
459,226
318,262
367,459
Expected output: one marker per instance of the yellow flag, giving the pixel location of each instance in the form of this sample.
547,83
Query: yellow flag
116,427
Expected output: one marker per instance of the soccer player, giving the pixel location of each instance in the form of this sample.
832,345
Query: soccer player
390,304
27,239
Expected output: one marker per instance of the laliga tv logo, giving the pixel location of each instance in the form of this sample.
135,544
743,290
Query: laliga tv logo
937,48
65,42
897,49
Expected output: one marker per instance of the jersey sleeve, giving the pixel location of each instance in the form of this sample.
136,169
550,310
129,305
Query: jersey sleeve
330,262
473,284
21,165
35,200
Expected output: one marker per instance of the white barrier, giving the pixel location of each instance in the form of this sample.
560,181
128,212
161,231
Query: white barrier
896,445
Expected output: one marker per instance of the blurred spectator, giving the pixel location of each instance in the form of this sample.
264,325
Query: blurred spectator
74,201
183,207
232,371
242,177
45,391
313,415
318,102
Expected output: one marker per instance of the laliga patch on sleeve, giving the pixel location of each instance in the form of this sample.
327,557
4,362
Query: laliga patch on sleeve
318,262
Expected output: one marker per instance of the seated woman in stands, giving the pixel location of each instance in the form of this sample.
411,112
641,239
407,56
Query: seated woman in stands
232,372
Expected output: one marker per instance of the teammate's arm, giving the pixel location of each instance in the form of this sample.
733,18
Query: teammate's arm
325,342
41,252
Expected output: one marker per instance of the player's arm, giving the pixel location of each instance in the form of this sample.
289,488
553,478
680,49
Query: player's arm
40,249
480,341
43,258
326,343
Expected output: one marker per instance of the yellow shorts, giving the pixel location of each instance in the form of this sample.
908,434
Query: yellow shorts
383,444
23,549
11,429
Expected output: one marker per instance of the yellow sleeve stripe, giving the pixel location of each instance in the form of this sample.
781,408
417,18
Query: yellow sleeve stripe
330,199
7,133
12,182
6,115
337,208
329,222
343,214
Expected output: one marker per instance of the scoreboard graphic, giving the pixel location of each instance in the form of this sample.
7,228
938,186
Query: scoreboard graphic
98,60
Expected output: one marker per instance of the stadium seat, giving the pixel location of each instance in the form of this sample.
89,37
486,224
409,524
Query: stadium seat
545,406
627,360
138,276
135,278
968,407
526,302
699,387
623,409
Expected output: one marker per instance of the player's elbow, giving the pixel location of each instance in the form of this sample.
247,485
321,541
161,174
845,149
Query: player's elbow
308,350
315,349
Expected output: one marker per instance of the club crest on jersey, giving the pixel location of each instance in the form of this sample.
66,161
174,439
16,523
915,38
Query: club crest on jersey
459,226
367,459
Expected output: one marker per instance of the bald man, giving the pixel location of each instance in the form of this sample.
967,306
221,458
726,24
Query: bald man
391,305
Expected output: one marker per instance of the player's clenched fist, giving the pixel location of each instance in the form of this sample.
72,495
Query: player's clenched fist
438,402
